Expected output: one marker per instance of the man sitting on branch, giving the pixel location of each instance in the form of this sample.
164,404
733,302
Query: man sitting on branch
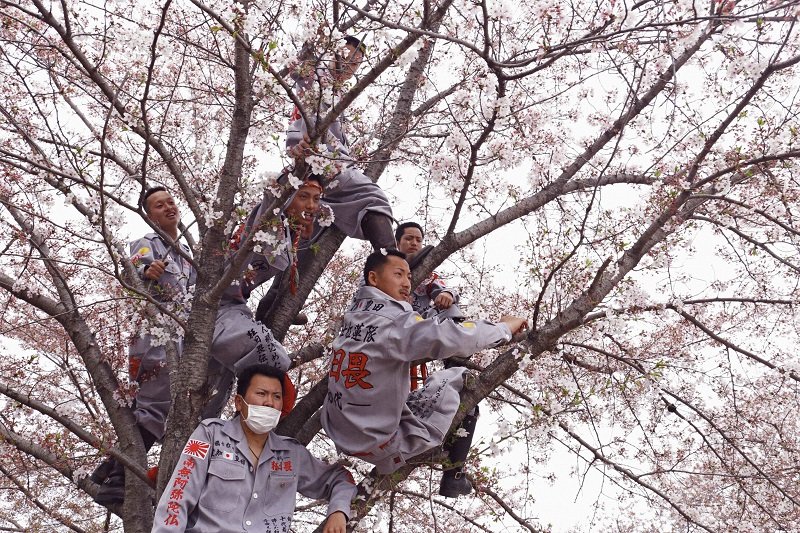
360,207
370,411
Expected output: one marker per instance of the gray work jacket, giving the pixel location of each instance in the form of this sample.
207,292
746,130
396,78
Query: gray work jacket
217,487
178,275
316,107
423,296
264,264
368,381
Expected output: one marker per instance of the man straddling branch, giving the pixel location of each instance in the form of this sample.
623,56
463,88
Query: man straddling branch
239,339
360,206
370,411
168,276
237,475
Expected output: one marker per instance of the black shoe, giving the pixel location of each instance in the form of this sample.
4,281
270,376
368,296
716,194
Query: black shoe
458,361
102,471
112,491
454,484
377,229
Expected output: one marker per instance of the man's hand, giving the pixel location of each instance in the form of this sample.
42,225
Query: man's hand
515,323
336,523
155,270
444,300
301,149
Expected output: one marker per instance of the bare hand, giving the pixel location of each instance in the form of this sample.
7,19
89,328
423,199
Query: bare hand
155,270
301,149
444,300
336,523
515,323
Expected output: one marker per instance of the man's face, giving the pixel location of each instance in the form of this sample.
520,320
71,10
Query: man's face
393,278
161,209
346,63
304,207
410,242
263,390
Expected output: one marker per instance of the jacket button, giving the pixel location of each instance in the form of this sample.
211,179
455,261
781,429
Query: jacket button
255,495
248,523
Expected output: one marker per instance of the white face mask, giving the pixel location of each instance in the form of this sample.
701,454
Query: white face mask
261,418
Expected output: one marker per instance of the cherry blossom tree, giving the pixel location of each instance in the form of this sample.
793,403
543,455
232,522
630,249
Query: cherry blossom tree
619,172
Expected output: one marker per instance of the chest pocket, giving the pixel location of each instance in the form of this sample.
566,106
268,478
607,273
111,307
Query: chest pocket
174,267
282,493
224,484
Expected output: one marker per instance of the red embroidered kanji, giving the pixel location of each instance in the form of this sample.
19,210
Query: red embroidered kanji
276,466
356,371
336,364
176,494
196,448
171,520
287,465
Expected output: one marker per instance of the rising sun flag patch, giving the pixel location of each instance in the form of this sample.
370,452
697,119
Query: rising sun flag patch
196,448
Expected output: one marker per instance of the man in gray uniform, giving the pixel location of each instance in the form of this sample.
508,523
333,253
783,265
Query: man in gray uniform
239,339
360,207
369,411
431,298
168,275
237,475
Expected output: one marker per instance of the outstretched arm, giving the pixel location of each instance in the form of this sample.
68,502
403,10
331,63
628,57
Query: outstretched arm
413,337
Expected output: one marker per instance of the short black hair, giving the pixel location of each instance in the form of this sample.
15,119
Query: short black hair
244,377
376,260
398,233
148,193
356,43
316,177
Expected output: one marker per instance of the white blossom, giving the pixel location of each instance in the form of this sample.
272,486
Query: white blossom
122,398
294,181
325,217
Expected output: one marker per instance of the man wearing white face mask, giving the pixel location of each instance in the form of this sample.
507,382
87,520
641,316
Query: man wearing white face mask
236,475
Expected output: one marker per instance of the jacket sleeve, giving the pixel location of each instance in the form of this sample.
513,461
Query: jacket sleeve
142,255
411,337
437,287
295,133
267,254
183,491
320,480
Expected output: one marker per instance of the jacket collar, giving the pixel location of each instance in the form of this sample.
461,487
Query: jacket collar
233,429
368,292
